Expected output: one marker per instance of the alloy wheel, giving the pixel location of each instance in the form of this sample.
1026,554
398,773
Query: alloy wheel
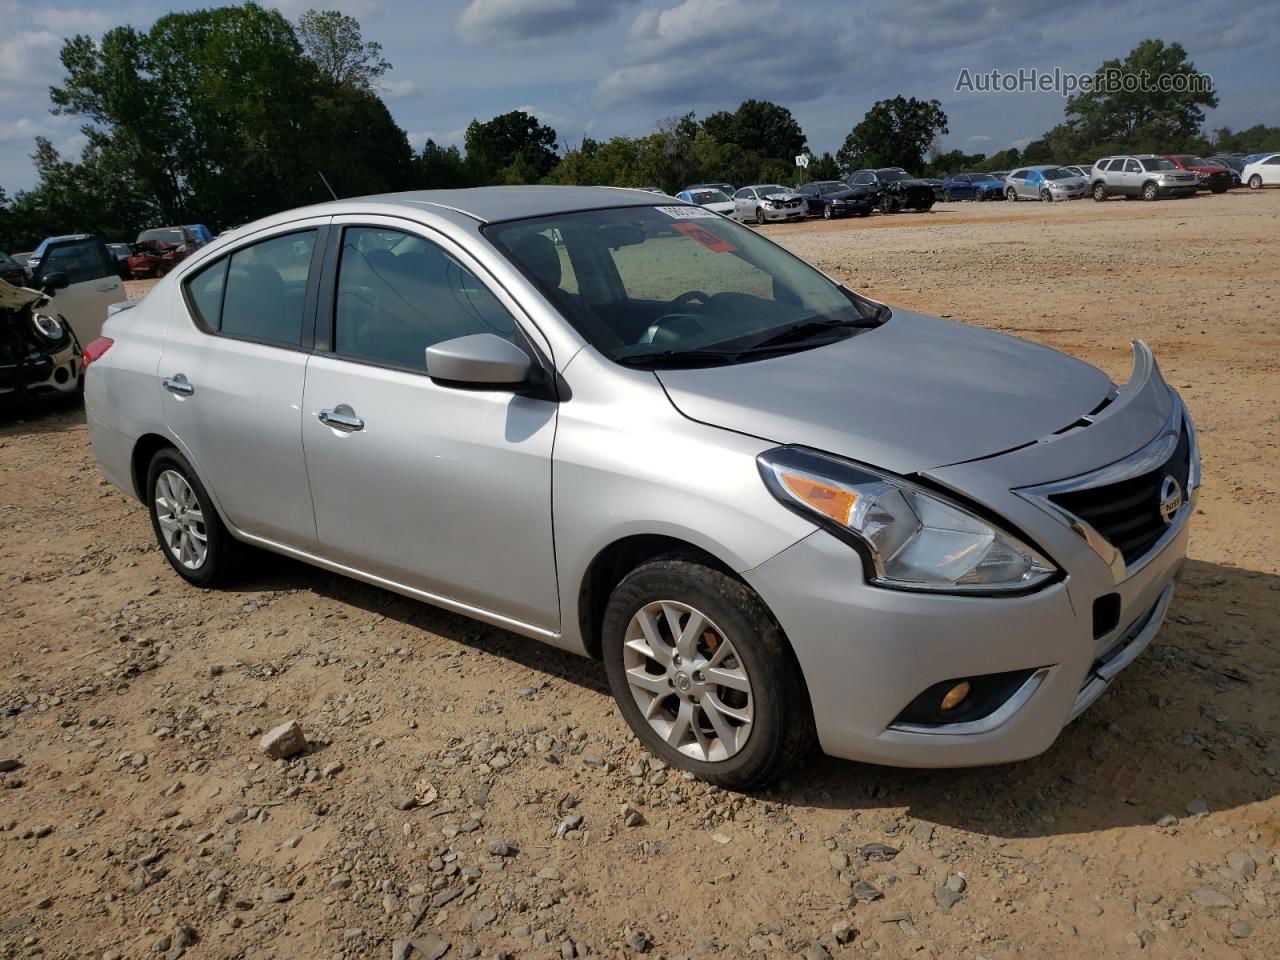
1255,182
181,520
688,681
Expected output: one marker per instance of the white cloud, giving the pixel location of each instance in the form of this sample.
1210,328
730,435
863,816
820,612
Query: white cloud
520,21
28,64
394,89
70,22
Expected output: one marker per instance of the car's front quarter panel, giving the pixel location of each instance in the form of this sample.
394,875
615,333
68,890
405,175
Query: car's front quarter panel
627,463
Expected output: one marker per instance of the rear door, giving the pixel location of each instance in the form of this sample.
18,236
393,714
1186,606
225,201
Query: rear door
232,372
443,489
1129,177
94,283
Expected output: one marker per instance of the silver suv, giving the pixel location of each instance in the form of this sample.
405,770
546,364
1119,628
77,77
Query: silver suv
1141,175
634,429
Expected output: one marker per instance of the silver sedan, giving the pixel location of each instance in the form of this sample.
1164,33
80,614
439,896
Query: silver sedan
781,513
1045,182
768,202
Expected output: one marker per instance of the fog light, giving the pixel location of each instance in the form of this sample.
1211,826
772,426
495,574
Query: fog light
955,696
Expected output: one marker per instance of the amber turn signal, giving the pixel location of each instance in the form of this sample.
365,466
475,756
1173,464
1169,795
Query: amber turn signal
955,696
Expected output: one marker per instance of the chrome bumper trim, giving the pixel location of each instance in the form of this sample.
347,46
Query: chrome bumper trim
1100,676
992,721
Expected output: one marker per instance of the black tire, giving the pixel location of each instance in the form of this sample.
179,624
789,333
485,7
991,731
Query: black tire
1150,191
1011,195
826,211
1255,182
782,724
759,217
1046,196
926,208
979,196
947,197
887,205
865,211
1218,189
220,557
1100,192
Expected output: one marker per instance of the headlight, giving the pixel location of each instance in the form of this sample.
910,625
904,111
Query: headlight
50,328
914,539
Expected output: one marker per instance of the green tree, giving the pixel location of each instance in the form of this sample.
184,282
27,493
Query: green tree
513,143
1148,116
894,133
760,127
955,161
334,43
1004,159
823,167
439,167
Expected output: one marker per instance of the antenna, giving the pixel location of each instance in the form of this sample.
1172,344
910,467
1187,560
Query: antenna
326,184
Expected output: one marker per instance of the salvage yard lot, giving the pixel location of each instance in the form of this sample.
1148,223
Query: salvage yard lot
143,816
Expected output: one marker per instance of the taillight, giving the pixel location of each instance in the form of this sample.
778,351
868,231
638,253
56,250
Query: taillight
95,350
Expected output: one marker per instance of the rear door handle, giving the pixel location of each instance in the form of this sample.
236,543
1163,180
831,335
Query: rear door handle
341,418
177,384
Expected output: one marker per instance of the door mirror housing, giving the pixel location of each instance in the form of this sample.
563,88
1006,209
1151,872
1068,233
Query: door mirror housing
481,360
52,282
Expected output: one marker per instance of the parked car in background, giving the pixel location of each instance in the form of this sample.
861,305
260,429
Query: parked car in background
121,253
972,186
39,355
1045,182
11,271
781,513
1213,177
1080,169
728,189
768,202
92,283
202,233
651,190
834,198
708,197
999,174
1140,175
1263,172
892,189
160,249
1234,164
33,258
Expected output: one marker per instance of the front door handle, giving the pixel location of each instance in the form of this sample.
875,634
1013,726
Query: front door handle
178,384
341,417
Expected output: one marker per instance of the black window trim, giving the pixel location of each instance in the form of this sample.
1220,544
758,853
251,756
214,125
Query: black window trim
108,262
306,325
327,300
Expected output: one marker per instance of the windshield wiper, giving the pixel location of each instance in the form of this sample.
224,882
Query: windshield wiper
669,358
803,331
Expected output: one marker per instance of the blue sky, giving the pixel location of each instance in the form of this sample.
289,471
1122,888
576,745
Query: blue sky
605,67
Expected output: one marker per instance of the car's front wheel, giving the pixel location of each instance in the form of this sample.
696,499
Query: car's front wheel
759,216
826,211
1011,195
1255,182
185,521
703,675
1046,196
1150,192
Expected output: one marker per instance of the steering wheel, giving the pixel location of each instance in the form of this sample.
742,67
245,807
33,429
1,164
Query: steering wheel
689,296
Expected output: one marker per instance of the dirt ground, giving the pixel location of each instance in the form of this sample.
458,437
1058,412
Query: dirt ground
478,792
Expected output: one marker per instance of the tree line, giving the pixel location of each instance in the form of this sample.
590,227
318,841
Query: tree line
225,115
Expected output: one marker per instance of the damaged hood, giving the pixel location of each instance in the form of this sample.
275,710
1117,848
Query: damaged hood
15,298
913,394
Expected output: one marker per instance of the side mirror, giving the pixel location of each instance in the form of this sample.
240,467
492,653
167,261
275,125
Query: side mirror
482,360
51,282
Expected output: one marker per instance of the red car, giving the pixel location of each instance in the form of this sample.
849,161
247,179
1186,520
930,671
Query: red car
158,251
1209,176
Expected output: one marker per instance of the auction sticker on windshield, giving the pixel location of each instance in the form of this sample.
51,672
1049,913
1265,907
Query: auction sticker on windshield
708,238
687,213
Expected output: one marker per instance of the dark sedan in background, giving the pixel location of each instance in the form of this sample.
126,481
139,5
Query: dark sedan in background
834,198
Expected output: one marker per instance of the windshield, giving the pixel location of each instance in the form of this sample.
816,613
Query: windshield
1157,163
893,175
982,178
769,189
173,235
831,186
708,196
1189,161
1059,173
676,285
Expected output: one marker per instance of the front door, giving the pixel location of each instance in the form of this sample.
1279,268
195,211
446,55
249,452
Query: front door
93,286
442,489
232,374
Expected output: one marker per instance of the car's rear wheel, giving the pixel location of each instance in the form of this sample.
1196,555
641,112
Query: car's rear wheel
1099,192
194,539
1150,192
703,675
979,195
1255,182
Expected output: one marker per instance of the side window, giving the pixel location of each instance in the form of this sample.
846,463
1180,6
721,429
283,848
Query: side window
1131,166
862,178
204,294
80,260
266,285
961,178
398,294
1018,175
743,194
1273,162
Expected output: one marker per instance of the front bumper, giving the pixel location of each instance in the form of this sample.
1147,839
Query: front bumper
51,374
775,214
1074,193
1178,190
